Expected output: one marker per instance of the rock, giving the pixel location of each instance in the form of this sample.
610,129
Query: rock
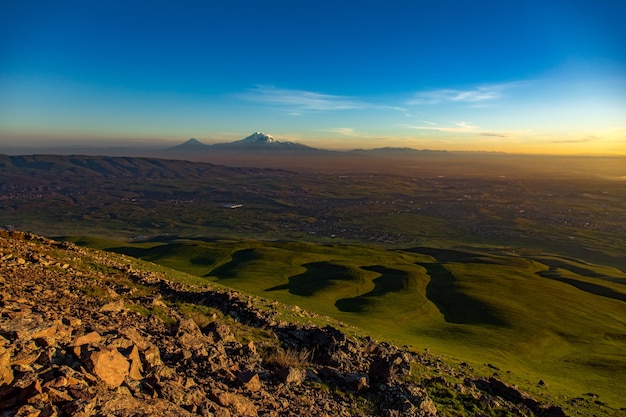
427,406
123,405
219,332
240,405
508,392
555,411
25,357
87,339
189,335
356,383
25,387
27,411
6,373
187,397
134,336
380,370
152,357
249,380
56,395
72,321
44,332
110,366
291,376
136,367
113,307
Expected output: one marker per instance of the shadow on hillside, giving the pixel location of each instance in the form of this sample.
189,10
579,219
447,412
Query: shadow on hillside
157,253
390,280
443,255
231,269
451,255
455,306
318,276
132,252
594,289
579,270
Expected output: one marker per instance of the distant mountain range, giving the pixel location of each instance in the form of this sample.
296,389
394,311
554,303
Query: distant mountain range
262,142
257,141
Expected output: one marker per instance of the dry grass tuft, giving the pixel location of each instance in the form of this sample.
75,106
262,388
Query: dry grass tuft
290,358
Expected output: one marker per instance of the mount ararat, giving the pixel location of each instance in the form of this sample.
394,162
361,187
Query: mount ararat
256,141
263,150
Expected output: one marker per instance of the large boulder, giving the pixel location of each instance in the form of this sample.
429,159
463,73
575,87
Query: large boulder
110,366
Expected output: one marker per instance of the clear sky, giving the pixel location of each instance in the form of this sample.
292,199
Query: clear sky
544,76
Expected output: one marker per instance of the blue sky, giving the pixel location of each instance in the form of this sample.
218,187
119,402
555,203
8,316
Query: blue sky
516,76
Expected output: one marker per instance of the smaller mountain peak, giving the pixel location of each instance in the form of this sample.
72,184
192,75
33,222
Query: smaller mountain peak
193,142
190,144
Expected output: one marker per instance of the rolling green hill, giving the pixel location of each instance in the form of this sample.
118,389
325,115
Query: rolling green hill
545,317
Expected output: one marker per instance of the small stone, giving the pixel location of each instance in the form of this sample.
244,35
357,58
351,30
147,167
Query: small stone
189,334
6,373
219,332
133,335
135,364
27,411
58,396
380,370
152,356
87,339
28,387
113,307
35,332
291,375
428,407
249,380
356,383
72,321
25,358
237,403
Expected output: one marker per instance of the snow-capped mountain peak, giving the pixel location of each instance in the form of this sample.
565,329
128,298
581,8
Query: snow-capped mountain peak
259,137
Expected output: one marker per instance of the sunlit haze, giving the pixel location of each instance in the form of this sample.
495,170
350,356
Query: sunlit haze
529,77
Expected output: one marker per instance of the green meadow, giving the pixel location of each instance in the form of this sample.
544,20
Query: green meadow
534,317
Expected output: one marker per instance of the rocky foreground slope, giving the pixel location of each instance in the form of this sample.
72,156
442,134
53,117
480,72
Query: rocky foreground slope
85,333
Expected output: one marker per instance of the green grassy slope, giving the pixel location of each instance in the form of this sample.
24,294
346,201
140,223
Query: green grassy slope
542,317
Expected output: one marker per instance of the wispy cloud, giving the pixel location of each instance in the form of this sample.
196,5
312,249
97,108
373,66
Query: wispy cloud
499,135
577,140
477,95
347,131
463,127
300,100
